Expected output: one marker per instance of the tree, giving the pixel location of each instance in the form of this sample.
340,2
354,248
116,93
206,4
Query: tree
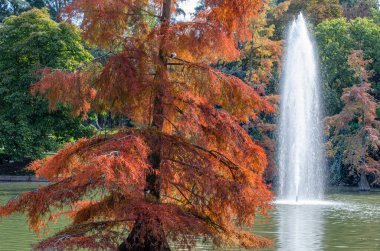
375,15
16,7
320,10
262,59
316,10
12,7
358,8
55,6
187,169
354,132
259,67
337,39
28,42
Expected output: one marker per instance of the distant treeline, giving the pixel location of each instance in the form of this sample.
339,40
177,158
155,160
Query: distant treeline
347,33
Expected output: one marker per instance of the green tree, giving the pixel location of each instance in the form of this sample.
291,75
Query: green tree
28,43
337,39
375,15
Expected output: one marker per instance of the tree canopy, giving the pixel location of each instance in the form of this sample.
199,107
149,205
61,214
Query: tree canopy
354,132
200,100
27,43
187,169
358,8
337,39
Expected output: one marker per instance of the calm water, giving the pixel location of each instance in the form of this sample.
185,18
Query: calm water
349,221
14,231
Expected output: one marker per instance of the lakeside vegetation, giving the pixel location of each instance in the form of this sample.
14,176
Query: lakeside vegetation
173,117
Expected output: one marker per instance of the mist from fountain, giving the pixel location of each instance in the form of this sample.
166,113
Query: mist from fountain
300,153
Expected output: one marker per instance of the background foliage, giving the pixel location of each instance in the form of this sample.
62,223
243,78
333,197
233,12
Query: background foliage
341,27
27,43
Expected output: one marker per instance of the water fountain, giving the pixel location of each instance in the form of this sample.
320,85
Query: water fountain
300,155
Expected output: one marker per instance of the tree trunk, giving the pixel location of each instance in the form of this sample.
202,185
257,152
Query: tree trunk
147,233
363,183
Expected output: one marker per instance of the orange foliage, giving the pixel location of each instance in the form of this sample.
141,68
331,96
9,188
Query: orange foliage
264,52
188,166
56,85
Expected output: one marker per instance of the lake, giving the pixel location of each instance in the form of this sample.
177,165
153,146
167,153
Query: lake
346,221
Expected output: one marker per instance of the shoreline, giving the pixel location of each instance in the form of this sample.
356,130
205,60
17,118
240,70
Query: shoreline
21,178
33,178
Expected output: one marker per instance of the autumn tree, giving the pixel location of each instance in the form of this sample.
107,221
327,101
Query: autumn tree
259,67
358,8
320,10
316,10
187,169
354,132
263,62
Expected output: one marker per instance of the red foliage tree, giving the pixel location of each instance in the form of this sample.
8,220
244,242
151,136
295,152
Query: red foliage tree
187,169
355,131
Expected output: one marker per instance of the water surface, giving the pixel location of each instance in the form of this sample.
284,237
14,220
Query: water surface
348,221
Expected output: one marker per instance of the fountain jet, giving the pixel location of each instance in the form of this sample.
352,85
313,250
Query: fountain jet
300,153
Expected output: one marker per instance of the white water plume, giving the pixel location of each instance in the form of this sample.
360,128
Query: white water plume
300,155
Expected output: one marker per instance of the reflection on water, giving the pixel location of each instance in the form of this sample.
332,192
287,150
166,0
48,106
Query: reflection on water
346,222
300,228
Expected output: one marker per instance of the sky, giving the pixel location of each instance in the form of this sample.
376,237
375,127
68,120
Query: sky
188,6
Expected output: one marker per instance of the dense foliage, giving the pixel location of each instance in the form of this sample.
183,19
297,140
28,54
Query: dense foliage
28,42
354,132
316,10
187,169
259,66
352,149
190,111
337,39
359,8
